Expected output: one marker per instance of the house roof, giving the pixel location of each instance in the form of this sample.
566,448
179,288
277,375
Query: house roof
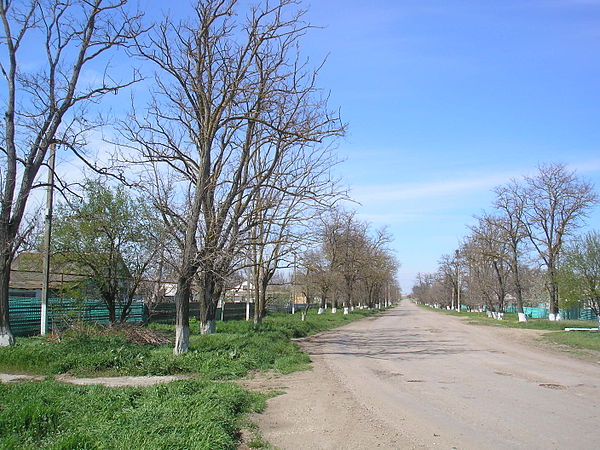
26,272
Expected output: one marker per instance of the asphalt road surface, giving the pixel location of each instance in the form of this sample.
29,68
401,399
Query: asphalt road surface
414,378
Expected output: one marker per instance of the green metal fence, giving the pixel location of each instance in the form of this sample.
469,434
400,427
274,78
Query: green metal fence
165,312
25,313
567,314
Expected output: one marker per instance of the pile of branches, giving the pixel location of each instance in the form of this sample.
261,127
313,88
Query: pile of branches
136,334
142,335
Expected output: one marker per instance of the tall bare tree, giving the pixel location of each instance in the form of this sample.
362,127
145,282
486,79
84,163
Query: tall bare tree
510,204
230,91
45,103
282,212
488,256
557,201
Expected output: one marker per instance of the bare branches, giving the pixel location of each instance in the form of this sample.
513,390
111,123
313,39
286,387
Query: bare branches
47,105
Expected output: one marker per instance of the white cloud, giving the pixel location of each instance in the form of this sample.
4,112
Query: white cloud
429,189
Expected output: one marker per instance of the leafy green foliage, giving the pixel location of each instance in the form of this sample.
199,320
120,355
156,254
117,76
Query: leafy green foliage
107,238
579,277
183,414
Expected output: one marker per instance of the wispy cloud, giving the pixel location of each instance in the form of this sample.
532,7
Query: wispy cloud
429,189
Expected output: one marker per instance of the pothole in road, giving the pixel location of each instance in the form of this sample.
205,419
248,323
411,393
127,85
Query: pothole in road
552,386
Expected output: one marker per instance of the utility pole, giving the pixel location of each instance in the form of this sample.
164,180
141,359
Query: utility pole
457,282
47,234
294,286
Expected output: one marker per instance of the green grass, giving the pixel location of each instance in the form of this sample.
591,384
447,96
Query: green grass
228,354
194,414
584,340
588,340
182,414
512,321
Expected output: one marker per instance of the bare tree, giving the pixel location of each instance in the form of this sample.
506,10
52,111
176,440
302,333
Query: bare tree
282,212
510,204
557,201
347,242
488,256
229,93
47,104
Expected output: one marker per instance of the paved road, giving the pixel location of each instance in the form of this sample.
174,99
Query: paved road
414,378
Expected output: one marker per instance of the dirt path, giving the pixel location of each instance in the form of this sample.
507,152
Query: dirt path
142,381
413,378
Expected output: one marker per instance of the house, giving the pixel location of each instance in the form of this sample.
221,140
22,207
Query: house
26,276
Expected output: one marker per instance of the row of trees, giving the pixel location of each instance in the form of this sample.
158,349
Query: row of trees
351,265
525,247
231,153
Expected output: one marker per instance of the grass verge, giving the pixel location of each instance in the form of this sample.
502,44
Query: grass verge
195,414
582,340
588,340
182,414
228,354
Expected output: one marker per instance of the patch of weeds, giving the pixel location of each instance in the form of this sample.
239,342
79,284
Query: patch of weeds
184,414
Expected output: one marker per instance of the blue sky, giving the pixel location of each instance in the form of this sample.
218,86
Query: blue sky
446,100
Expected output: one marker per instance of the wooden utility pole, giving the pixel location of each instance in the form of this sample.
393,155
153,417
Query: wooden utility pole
47,234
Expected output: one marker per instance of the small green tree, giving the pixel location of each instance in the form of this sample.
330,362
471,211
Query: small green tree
580,273
108,237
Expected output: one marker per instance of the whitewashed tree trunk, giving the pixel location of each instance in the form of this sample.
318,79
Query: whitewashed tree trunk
346,310
321,311
182,339
522,317
551,317
558,317
208,327
333,310
6,337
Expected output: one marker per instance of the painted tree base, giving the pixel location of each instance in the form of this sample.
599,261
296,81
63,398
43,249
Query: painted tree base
522,317
208,327
182,339
6,338
333,310
346,311
321,311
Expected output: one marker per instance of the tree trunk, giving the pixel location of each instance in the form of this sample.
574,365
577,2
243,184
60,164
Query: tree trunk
211,293
6,336
519,292
182,313
323,304
110,302
305,311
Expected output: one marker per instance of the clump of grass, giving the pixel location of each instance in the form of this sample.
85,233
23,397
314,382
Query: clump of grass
184,414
